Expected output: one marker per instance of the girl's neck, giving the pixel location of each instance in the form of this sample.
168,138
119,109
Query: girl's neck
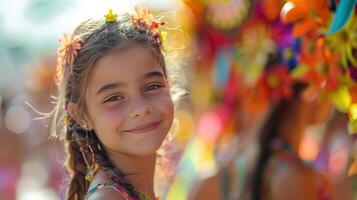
140,170
292,134
293,126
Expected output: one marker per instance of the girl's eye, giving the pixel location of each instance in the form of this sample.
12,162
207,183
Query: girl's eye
113,98
152,87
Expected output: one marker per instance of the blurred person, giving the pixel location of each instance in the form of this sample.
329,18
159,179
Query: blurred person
279,172
295,60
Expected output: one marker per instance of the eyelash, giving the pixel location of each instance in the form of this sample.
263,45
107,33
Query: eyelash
111,99
153,84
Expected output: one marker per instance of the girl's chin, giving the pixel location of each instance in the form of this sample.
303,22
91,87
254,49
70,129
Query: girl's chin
146,148
144,152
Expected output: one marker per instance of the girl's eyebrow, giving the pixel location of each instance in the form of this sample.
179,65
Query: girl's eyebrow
110,86
153,74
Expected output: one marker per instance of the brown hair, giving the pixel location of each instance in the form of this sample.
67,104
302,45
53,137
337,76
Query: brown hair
97,39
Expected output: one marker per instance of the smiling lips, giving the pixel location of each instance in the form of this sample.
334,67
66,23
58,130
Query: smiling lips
144,128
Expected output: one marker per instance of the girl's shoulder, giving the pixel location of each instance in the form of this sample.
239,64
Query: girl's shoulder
294,179
107,191
300,181
102,187
288,167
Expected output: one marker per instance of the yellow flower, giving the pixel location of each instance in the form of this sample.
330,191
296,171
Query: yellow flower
163,35
345,41
110,16
66,121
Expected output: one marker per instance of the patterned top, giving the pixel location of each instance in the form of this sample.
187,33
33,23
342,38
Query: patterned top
111,186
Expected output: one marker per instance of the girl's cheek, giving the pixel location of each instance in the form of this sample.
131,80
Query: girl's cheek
165,104
113,115
163,98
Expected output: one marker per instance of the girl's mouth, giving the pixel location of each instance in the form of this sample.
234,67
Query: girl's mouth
144,128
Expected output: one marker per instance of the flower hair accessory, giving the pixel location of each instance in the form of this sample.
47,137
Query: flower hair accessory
110,16
145,21
70,45
67,52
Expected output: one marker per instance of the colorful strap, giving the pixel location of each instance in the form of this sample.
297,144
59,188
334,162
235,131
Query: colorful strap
103,186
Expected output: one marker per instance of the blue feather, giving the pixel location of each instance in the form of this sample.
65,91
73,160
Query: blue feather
344,11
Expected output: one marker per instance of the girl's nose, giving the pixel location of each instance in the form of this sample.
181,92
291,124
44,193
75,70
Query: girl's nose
141,111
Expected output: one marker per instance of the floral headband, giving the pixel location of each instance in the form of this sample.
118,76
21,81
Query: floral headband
70,45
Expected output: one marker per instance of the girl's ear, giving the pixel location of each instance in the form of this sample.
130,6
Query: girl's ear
73,111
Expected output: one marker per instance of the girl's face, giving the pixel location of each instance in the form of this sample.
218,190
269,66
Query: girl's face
128,101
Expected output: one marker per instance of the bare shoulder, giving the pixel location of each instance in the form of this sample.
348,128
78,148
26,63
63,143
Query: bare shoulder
106,194
294,181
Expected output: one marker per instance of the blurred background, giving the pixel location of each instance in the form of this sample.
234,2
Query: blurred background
226,49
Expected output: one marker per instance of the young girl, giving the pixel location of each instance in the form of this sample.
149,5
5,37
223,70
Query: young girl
116,104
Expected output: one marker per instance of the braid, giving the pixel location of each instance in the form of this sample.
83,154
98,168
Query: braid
76,138
111,171
76,168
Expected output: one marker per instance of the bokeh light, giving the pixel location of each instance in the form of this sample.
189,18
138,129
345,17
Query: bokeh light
17,119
